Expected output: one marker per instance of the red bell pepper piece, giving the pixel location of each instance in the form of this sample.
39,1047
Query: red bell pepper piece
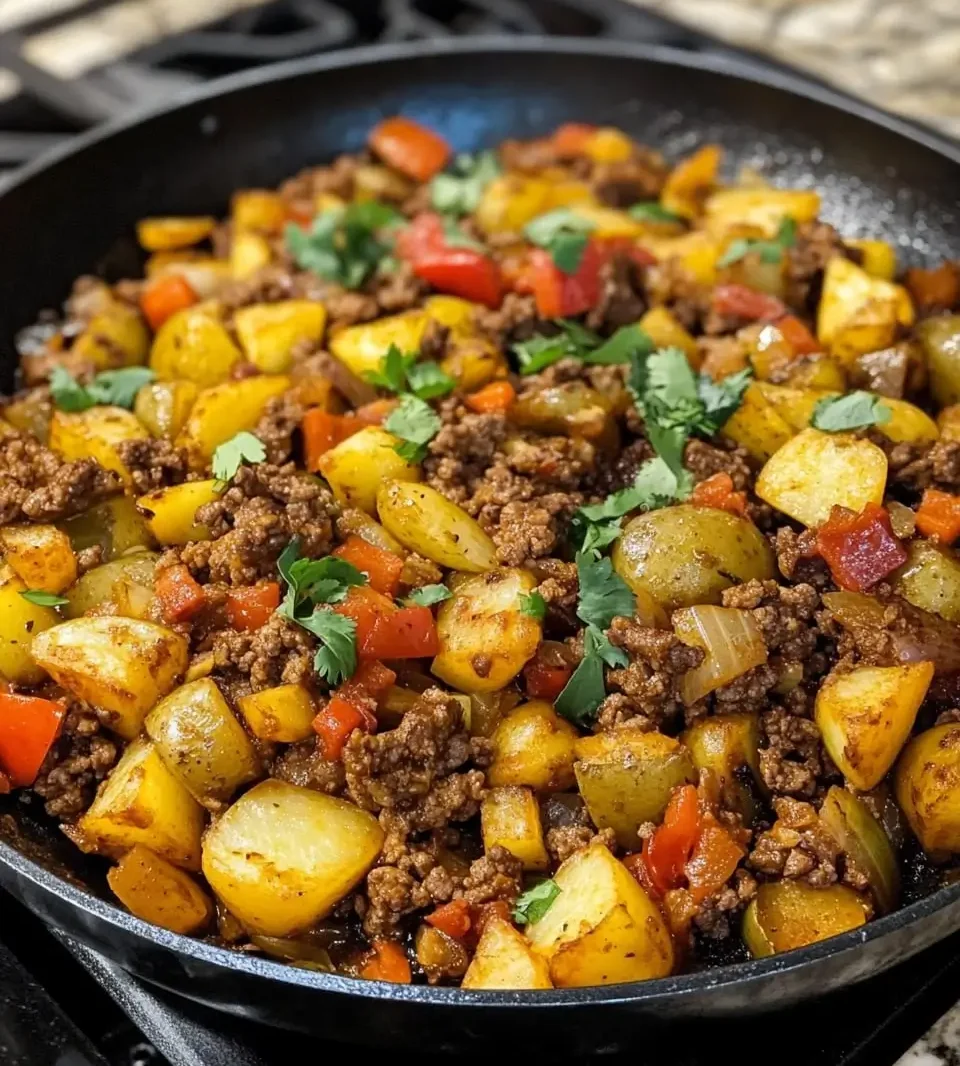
717,491
571,138
334,724
179,595
28,727
560,295
365,605
492,398
370,681
370,414
796,334
164,297
323,431
939,516
409,633
452,918
747,303
666,851
387,963
249,608
463,272
860,549
715,857
410,148
382,567
545,681
422,238
625,248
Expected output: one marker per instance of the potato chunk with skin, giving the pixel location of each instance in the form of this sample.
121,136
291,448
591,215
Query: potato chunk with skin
602,928
485,637
163,406
169,232
533,746
425,521
362,348
158,892
510,818
40,555
930,579
503,959
281,715
683,556
282,856
865,716
194,345
358,467
791,914
927,787
268,332
202,743
95,434
124,587
171,512
141,802
116,527
940,337
120,665
817,471
724,744
115,337
21,622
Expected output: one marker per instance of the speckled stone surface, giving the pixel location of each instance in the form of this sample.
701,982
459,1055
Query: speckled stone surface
903,55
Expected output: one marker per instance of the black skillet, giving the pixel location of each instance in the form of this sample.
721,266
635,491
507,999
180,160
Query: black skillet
74,211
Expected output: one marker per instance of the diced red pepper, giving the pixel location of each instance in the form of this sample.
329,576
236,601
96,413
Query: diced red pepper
860,549
179,595
422,238
715,857
28,727
718,491
387,963
560,295
323,431
370,414
334,724
301,215
624,248
164,297
365,606
571,138
463,272
747,303
409,633
382,567
939,515
370,681
667,850
492,398
410,148
452,918
250,608
796,334
545,681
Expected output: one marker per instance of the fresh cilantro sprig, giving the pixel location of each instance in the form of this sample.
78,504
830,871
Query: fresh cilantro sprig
344,244
458,191
43,599
428,595
242,447
604,595
400,372
652,211
533,904
392,372
534,606
118,388
856,410
564,234
416,423
770,251
574,341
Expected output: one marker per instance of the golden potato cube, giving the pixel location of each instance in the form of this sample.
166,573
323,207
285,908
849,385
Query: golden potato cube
115,337
249,252
281,715
724,744
865,716
879,258
927,787
141,802
757,425
696,251
362,348
690,182
357,467
459,316
663,328
791,914
939,337
159,892
510,818
602,928
794,405
503,960
908,423
608,222
120,665
167,233
817,372
40,555
171,512
163,406
95,434
193,345
31,414
609,145
473,361
762,209
533,746
258,209
268,332
123,586
283,856
485,637
202,743
374,182
816,471
511,201
21,622
930,579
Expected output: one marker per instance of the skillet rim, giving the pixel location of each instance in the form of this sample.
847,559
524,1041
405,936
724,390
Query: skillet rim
651,991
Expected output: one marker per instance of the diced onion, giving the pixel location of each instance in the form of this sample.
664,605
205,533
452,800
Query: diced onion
730,638
862,837
903,519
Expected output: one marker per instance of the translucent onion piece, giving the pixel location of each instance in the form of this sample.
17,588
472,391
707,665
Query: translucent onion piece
903,519
730,638
861,836
296,951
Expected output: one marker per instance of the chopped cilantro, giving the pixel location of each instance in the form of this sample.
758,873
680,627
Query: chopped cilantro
564,234
416,423
392,372
627,342
770,251
651,211
574,341
336,658
534,605
344,245
856,410
428,595
427,380
400,372
454,237
459,190
240,448
604,595
43,599
533,904
585,691
118,388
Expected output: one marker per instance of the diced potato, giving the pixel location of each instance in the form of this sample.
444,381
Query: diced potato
120,665
852,824
425,521
930,579
859,313
794,405
791,914
908,423
691,181
725,744
281,715
165,234
30,413
473,362
510,818
864,717
282,856
503,960
571,409
686,555
608,145
757,425
158,892
362,348
95,434
940,337
663,328
163,406
224,410
116,526
141,802
485,637
816,471
762,209
268,332
626,778
608,222
602,928
194,345
818,372
879,257
171,512
202,743
511,201
927,786
249,252
360,466
40,555
697,252
124,587
258,209
21,622
203,273
533,746
114,337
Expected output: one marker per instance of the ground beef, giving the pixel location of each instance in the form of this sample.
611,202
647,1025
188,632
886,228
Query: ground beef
560,587
786,617
399,290
278,427
816,244
562,841
320,364
515,319
922,466
303,764
792,759
494,876
622,300
279,652
623,184
80,758
153,464
670,284
528,531
418,572
703,460
336,179
797,558
88,558
715,914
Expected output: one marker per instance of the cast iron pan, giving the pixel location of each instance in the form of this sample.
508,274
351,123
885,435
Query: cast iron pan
74,211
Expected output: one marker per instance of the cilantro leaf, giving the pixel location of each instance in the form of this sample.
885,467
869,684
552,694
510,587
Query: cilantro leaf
118,388
604,595
427,380
573,341
428,595
392,372
43,599
534,605
459,190
454,237
585,691
240,448
652,211
399,372
311,582
67,393
533,904
567,251
621,347
770,251
344,245
564,234
856,410
416,423
721,398
336,658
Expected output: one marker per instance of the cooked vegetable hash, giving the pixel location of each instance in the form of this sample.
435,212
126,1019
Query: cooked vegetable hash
519,570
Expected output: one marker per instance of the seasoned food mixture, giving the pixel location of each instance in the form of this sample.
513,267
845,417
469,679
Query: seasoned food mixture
522,570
